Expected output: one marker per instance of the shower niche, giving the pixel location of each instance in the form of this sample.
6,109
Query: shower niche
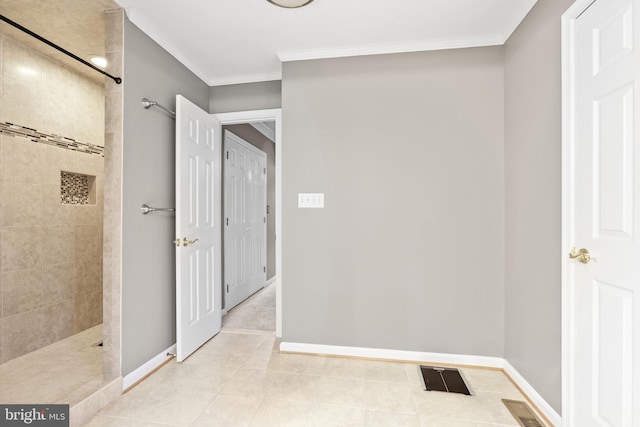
77,189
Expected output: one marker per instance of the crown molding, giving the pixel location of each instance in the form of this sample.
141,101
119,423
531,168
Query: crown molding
387,48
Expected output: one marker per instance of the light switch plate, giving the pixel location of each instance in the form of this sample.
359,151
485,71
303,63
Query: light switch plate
311,200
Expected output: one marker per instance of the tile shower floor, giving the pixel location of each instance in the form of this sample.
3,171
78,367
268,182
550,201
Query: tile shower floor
239,379
64,372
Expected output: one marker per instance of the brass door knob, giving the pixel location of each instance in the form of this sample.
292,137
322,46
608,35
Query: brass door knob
581,255
186,242
183,242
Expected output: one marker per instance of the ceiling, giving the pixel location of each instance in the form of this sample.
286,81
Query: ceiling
239,41
75,25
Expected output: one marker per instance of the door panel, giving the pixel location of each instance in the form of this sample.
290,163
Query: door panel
605,291
245,219
198,230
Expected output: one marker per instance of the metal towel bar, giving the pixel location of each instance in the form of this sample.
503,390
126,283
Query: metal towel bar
147,103
145,209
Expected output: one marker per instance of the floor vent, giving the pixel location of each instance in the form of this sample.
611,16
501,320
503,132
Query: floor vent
522,413
443,379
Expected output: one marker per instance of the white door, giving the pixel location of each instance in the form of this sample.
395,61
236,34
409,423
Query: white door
198,229
604,217
245,206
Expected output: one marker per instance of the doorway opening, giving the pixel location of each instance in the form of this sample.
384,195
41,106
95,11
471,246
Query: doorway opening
260,308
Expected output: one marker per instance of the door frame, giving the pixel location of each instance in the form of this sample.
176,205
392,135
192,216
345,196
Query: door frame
255,116
568,22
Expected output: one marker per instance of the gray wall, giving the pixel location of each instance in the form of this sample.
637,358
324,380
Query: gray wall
244,97
257,139
409,250
148,259
533,199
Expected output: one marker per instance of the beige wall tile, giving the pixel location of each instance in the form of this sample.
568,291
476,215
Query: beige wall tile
21,64
55,114
86,215
21,204
21,334
59,244
88,120
88,164
112,232
113,121
88,276
87,311
56,79
55,213
58,322
56,160
21,103
88,241
21,248
21,160
58,282
22,291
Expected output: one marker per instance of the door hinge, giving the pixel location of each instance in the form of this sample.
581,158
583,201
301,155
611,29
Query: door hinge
265,170
227,288
264,269
227,222
227,155
265,219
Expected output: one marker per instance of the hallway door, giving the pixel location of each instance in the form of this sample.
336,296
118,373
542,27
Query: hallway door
245,213
198,229
604,216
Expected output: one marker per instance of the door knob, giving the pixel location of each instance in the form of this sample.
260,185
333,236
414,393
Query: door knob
183,242
186,242
582,255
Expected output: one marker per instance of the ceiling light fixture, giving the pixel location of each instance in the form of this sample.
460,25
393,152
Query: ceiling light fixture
99,61
290,4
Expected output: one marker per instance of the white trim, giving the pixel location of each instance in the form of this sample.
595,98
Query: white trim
533,395
245,78
386,48
148,367
262,116
389,354
568,330
270,281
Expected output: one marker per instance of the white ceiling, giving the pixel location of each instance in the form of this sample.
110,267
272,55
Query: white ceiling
239,41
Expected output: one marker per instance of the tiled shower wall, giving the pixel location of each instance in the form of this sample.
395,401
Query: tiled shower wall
50,253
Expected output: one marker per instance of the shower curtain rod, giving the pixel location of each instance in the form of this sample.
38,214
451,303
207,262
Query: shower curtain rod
118,80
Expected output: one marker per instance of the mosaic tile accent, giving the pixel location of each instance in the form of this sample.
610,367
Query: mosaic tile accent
74,188
14,130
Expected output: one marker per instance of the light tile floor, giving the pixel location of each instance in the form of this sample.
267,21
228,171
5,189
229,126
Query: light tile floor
64,372
240,379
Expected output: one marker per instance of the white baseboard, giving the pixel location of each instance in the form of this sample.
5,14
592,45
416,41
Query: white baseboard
439,358
533,395
144,370
406,356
